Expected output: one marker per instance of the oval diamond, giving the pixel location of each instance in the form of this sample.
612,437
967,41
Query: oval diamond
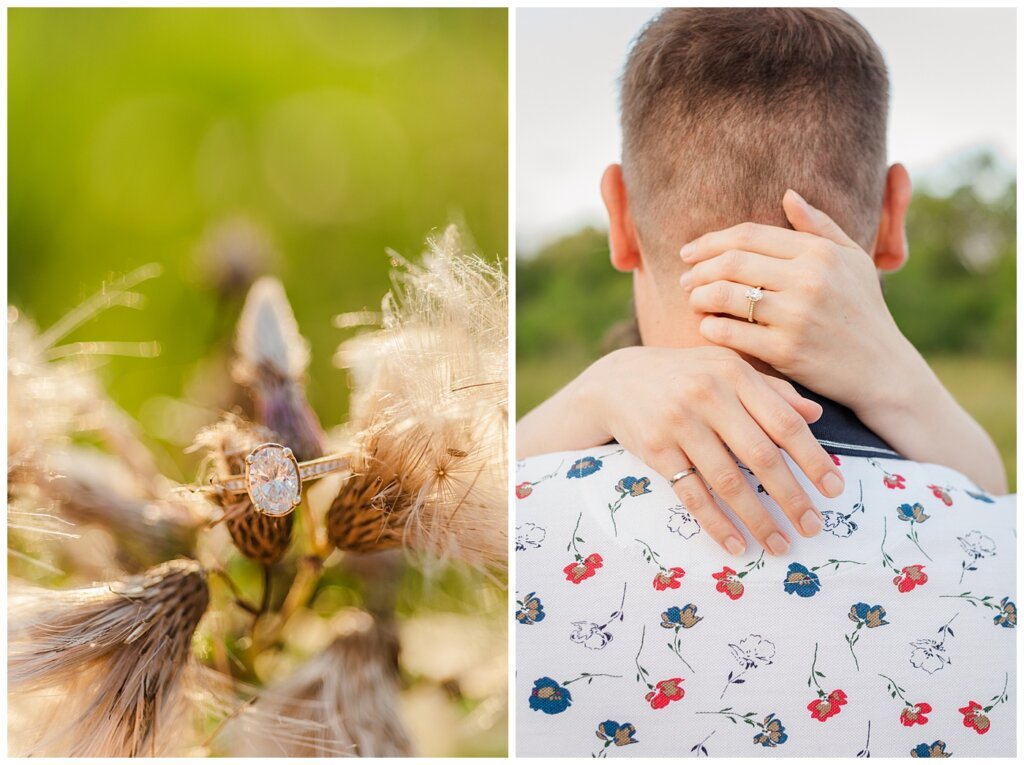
272,476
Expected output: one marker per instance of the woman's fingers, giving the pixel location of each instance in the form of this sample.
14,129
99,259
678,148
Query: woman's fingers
810,410
811,220
752,237
694,496
731,298
723,475
742,267
789,430
742,336
751,443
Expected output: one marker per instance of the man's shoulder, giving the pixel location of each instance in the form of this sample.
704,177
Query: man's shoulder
615,469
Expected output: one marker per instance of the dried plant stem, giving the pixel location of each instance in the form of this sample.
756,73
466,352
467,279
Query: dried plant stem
299,592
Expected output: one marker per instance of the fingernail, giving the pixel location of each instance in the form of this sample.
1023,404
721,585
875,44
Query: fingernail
685,279
734,546
799,198
688,250
833,484
810,523
777,544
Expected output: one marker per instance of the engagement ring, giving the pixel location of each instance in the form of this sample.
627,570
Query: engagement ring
753,294
273,478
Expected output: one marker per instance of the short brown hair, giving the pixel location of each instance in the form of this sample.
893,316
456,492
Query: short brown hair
724,109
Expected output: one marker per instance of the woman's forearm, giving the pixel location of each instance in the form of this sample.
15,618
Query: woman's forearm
922,420
567,421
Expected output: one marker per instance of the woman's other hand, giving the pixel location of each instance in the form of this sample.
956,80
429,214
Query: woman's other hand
682,408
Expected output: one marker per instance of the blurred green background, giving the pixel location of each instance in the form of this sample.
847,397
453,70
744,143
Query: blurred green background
955,299
213,141
228,143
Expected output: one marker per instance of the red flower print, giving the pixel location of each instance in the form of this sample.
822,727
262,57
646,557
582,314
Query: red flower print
524,490
835,458
894,481
822,709
975,717
666,691
915,714
668,579
728,583
910,577
583,569
942,494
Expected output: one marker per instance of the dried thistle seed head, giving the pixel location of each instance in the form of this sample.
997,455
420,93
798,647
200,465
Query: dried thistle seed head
92,488
349,693
272,361
443,337
361,516
262,538
52,391
433,486
268,336
228,442
282,407
47,400
114,657
431,400
259,537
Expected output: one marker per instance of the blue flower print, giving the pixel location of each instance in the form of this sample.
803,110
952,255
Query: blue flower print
773,732
934,749
530,610
867,616
612,733
864,616
633,487
675,617
549,697
1007,616
914,513
801,581
627,487
583,467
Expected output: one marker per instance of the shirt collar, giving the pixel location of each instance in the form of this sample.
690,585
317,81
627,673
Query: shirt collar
840,432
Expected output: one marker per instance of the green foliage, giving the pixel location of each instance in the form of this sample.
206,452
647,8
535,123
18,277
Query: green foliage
955,299
339,132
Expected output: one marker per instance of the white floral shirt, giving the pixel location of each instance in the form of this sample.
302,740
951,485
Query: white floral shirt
891,633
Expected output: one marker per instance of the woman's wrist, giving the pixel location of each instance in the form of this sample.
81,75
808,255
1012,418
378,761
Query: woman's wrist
587,394
898,384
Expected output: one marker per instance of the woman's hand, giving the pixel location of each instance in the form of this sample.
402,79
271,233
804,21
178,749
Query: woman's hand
824,323
680,408
822,317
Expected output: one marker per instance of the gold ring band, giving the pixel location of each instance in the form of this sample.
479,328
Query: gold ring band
753,296
274,479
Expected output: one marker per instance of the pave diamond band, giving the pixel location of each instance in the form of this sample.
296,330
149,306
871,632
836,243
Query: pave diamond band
753,295
273,478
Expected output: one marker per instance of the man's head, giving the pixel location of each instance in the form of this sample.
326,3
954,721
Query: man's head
724,109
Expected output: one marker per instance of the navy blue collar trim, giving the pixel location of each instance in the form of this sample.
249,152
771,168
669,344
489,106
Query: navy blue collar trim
840,432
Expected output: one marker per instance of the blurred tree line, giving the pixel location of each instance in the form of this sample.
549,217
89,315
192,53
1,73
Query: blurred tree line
955,299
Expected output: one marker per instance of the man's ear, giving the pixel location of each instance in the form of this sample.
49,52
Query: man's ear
890,251
622,238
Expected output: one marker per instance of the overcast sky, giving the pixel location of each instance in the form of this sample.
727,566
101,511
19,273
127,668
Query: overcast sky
952,74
